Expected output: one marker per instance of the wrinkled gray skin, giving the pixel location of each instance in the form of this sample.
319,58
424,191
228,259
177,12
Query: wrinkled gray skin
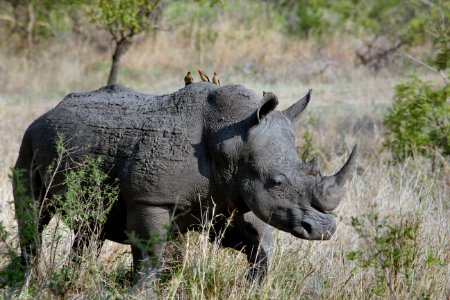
180,155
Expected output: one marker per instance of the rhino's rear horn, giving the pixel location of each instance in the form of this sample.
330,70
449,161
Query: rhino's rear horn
330,189
295,110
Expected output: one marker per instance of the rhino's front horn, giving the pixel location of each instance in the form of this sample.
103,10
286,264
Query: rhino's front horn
295,110
330,189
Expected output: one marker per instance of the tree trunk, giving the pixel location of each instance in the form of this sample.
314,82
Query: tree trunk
30,26
122,46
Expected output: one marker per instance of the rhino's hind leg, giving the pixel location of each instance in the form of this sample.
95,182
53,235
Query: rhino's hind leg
30,211
253,237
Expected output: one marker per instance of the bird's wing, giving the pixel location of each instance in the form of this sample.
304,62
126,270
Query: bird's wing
207,78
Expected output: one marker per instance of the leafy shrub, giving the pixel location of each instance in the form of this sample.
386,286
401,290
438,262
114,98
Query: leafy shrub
90,195
12,274
442,44
402,21
388,250
305,18
419,120
308,149
391,250
88,199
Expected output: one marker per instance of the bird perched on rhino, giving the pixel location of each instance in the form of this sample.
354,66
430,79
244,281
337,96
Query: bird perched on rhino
203,77
216,79
188,79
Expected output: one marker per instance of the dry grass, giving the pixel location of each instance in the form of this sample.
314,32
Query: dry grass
347,107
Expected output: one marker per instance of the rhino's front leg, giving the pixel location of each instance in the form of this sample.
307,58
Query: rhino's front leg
148,228
253,237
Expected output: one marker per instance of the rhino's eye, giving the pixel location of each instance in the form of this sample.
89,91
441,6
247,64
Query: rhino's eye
278,179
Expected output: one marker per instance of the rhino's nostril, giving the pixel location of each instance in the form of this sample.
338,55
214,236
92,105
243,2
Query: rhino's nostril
306,226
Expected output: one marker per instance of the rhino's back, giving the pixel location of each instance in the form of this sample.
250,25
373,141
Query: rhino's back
123,126
119,108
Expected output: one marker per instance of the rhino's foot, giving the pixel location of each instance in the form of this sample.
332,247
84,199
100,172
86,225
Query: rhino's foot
143,288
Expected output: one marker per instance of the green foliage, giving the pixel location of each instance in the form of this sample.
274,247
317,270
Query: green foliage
432,260
419,120
37,20
309,148
306,17
387,248
404,22
88,199
210,2
125,18
12,274
442,44
84,207
90,195
311,17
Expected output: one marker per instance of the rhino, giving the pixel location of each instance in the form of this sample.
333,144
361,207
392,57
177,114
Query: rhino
178,155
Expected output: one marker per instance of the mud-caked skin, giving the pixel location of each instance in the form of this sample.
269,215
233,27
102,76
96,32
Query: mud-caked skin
203,148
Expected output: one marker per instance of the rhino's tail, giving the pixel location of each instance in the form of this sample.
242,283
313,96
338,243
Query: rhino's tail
28,191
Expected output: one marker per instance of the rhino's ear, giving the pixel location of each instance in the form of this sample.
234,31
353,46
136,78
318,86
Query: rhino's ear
268,104
296,109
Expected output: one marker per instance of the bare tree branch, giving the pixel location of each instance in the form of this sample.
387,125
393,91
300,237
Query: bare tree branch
7,18
442,74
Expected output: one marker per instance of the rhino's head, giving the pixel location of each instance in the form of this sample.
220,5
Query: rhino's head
258,161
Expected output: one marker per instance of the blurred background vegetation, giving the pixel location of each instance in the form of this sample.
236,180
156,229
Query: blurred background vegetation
50,48
378,30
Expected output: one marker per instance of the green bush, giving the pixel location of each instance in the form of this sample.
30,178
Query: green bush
89,198
84,207
403,21
308,149
419,120
388,249
90,195
12,274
